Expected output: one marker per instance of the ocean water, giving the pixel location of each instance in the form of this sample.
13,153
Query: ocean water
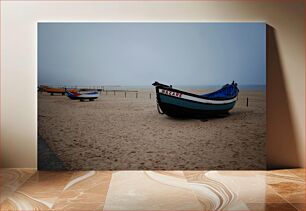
195,87
183,87
241,87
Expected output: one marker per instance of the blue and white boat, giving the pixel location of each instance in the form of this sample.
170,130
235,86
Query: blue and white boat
82,96
181,104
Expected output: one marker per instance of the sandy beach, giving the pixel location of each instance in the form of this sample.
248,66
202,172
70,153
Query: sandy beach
118,133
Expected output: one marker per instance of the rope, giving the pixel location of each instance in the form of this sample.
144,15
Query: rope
158,109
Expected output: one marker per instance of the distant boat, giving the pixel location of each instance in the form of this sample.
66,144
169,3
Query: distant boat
82,96
53,91
181,104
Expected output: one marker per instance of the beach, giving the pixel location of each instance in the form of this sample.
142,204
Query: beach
125,132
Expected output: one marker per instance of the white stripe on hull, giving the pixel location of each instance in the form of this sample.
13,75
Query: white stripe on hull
195,99
88,96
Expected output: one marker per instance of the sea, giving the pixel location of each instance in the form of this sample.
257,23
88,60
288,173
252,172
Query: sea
192,87
183,87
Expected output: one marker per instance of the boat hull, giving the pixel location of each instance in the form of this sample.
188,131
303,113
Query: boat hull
179,104
58,90
83,96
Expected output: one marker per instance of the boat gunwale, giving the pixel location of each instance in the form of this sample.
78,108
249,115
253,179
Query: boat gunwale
195,101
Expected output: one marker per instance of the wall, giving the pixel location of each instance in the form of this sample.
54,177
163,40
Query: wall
285,64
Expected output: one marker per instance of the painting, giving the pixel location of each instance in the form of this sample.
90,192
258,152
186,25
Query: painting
151,95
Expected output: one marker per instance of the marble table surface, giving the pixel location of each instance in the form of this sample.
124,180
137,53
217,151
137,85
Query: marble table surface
28,189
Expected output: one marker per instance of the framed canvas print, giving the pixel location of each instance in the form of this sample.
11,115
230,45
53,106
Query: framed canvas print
151,95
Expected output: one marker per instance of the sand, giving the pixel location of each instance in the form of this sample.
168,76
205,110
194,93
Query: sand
118,133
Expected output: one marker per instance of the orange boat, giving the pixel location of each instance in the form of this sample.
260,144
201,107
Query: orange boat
58,90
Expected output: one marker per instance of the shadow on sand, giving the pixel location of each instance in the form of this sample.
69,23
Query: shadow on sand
47,160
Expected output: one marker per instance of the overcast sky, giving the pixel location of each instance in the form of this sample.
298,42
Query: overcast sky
141,53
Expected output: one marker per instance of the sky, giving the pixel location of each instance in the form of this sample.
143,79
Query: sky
137,54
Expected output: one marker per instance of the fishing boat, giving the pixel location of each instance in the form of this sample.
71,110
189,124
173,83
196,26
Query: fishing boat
61,91
182,104
82,96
